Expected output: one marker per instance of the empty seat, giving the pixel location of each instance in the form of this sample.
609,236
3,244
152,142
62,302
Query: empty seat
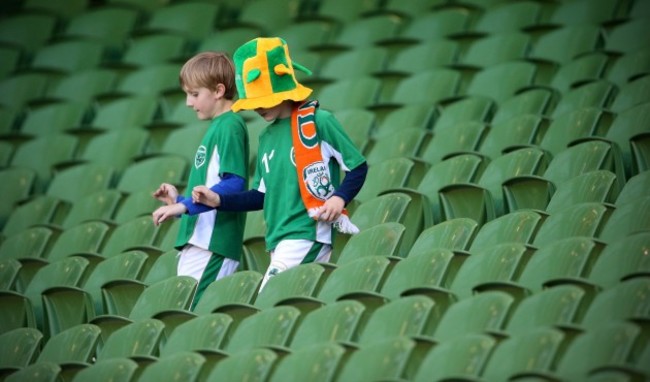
254,364
19,348
594,186
390,358
622,259
502,81
337,322
626,219
381,240
138,339
202,334
514,227
583,219
315,363
564,44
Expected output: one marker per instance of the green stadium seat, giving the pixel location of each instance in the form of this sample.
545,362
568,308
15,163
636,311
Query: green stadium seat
482,313
502,81
117,369
155,49
380,240
81,87
469,108
123,112
185,366
67,306
205,334
534,191
630,66
487,268
38,210
455,234
360,62
110,25
305,35
68,56
355,93
421,57
182,140
335,322
149,173
9,269
172,294
579,12
635,188
559,262
622,37
508,17
389,359
364,32
316,363
19,348
495,49
85,239
409,116
38,372
43,154
535,351
50,121
423,274
583,219
135,205
580,71
253,365
629,133
71,349
596,94
404,143
100,205
356,122
412,316
516,132
625,301
434,25
514,227
484,200
432,86
535,101
153,81
464,356
462,168
18,90
76,182
622,259
193,21
272,327
557,306
610,345
304,280
136,340
464,138
562,45
115,148
593,186
385,175
13,33
627,218
10,62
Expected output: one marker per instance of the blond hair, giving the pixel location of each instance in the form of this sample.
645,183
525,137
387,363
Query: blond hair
207,70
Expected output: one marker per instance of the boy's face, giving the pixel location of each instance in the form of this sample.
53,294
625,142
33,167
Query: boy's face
203,101
281,111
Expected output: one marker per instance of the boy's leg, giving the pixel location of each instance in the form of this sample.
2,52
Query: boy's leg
290,253
205,267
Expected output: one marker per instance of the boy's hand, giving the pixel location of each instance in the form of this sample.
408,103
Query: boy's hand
165,212
166,193
203,195
331,209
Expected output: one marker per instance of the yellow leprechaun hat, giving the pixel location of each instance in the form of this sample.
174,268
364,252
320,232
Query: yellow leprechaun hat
264,75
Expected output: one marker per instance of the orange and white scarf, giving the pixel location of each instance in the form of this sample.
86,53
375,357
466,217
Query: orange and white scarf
315,182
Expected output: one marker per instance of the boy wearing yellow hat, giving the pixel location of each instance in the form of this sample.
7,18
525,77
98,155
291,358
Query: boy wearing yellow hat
300,157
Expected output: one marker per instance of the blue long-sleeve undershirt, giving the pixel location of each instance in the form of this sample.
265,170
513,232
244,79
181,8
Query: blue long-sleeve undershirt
254,200
229,184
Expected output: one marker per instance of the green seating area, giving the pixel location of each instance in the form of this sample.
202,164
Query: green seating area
505,220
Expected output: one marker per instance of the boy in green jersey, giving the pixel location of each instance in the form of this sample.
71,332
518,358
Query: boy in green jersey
210,241
300,157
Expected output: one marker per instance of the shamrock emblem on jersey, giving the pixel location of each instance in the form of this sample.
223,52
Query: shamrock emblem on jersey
199,158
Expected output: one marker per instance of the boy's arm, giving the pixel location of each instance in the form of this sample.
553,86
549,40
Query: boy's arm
352,183
230,183
250,200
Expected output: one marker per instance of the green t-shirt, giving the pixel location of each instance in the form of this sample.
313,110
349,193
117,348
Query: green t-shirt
275,176
223,149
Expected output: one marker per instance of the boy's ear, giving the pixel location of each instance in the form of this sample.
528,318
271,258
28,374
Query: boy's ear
220,91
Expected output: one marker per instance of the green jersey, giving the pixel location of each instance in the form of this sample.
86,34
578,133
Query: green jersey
284,212
223,149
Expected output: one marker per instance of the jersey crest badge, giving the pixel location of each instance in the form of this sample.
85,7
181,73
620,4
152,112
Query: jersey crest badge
199,159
